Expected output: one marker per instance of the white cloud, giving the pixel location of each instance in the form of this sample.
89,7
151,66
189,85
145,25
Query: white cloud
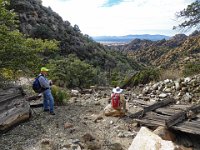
129,17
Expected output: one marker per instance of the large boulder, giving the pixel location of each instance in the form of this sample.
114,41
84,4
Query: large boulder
147,140
109,111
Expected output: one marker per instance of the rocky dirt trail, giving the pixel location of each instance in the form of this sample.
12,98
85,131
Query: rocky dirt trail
78,125
81,125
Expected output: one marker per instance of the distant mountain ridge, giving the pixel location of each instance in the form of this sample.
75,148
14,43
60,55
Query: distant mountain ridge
175,52
129,38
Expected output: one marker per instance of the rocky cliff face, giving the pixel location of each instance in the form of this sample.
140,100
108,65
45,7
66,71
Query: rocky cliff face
34,17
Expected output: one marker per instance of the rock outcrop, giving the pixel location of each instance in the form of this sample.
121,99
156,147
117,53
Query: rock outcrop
183,90
147,140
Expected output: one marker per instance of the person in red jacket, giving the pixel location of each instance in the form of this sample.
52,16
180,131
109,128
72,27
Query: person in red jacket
117,99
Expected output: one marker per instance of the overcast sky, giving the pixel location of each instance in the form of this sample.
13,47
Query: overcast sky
120,17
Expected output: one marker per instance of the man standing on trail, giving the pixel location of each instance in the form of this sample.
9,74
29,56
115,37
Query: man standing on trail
48,102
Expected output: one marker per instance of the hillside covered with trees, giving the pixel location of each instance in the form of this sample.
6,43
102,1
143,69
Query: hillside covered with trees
67,50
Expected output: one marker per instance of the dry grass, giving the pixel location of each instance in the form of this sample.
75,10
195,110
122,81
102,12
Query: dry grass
170,74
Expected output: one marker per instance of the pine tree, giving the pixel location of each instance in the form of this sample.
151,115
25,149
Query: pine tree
191,16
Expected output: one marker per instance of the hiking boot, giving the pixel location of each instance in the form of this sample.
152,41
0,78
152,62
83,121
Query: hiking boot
52,113
45,110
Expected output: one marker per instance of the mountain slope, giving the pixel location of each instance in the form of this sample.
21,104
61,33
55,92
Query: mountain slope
38,21
187,52
175,52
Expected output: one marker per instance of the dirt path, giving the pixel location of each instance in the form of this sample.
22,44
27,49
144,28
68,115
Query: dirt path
72,127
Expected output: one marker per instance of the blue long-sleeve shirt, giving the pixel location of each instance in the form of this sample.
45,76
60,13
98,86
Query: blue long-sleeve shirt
44,81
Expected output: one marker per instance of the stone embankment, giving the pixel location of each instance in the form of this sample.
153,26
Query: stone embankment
183,90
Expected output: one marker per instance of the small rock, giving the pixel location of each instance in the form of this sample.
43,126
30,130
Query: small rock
188,79
163,95
88,137
93,146
75,147
121,135
97,103
166,81
75,141
68,125
187,97
99,117
115,146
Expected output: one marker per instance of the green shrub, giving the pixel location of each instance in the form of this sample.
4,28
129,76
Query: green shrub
60,95
115,78
72,72
114,83
142,77
191,69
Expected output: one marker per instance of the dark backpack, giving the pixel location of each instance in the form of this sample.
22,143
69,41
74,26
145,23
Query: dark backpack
36,85
115,101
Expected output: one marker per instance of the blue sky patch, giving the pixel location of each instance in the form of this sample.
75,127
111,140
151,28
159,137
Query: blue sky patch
111,3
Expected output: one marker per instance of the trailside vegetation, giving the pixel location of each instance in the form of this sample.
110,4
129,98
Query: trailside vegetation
142,77
191,68
17,52
60,95
71,72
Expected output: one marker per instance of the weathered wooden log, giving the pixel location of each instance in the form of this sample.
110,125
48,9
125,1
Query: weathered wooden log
35,101
179,117
175,119
150,123
188,127
154,106
167,111
13,107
